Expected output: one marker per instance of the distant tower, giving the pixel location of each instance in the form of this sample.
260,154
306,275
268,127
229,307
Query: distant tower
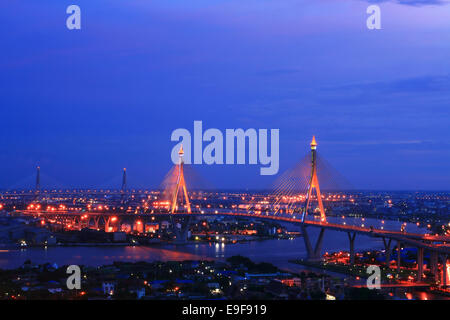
124,180
180,184
123,191
38,179
314,183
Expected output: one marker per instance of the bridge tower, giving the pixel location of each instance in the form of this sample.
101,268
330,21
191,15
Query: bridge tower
314,251
123,190
37,189
314,184
38,179
124,181
181,184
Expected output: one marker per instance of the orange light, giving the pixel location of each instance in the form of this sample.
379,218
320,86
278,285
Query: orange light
313,142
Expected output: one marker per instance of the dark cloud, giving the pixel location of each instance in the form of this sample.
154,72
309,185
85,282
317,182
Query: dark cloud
439,84
415,3
279,72
423,84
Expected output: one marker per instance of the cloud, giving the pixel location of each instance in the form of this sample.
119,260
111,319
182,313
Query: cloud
409,112
432,91
379,142
414,3
424,84
369,101
279,72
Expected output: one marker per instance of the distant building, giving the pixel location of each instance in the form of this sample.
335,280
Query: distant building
119,236
108,288
291,282
139,291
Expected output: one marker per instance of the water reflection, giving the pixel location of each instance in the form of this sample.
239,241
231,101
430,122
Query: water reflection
278,252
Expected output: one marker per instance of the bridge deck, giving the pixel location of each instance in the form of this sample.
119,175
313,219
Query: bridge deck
418,240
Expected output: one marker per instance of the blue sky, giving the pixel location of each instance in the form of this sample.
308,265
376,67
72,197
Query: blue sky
84,104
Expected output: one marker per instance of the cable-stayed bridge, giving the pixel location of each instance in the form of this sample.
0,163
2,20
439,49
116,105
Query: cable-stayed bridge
297,199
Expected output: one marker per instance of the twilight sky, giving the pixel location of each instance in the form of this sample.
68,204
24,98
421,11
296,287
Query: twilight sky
84,104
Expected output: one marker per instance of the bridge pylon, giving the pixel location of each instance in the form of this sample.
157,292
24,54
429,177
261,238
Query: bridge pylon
314,253
38,179
37,189
314,184
124,180
181,184
123,190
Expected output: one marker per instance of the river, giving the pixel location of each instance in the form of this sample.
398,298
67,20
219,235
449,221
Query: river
277,252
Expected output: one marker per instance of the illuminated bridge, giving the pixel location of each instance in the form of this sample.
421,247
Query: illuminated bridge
179,207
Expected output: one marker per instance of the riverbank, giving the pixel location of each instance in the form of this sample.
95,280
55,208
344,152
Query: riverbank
275,251
355,270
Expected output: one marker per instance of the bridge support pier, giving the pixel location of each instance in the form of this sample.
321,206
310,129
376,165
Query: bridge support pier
388,251
77,223
351,238
419,264
107,224
96,221
444,270
313,254
434,264
132,226
182,232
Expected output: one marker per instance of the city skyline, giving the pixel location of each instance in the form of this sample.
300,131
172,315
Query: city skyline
224,157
